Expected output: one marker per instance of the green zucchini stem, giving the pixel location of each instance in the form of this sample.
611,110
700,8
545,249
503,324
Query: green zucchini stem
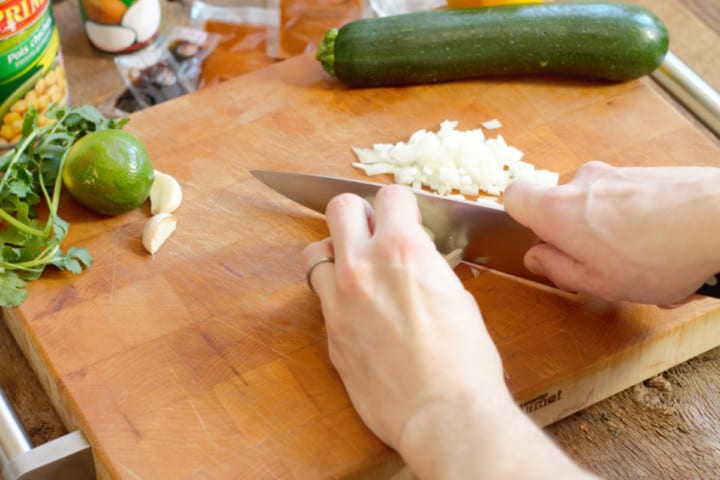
326,51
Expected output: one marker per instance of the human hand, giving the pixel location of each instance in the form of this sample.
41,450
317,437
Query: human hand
403,332
411,347
643,234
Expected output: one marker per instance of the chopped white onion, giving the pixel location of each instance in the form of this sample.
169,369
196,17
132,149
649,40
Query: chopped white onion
453,162
492,124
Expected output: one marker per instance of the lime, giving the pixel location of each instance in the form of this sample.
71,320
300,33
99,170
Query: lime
109,172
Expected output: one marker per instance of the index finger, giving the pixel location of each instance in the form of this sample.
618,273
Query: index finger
525,202
396,208
540,207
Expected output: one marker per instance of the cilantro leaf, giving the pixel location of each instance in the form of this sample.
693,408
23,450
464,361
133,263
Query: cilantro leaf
74,260
30,174
12,290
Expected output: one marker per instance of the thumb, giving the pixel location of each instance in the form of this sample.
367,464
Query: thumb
564,271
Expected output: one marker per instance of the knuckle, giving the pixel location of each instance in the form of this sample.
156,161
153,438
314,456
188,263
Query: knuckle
354,275
341,203
397,239
595,165
404,246
560,201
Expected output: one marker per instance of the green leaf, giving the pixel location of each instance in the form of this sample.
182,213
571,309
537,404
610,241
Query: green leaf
20,189
82,254
32,248
70,264
12,290
56,112
22,211
74,260
60,227
118,124
30,122
12,237
10,254
5,159
89,113
30,175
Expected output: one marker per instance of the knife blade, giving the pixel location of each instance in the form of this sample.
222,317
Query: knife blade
487,236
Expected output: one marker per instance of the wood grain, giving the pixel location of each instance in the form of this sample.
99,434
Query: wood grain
663,428
218,342
707,12
666,427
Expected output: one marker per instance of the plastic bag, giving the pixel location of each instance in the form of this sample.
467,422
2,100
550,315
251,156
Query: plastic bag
242,31
191,47
302,24
168,69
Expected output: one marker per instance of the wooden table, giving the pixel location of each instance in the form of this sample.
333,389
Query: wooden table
668,426
664,428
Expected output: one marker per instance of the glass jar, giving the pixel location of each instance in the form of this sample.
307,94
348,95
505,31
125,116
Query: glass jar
121,26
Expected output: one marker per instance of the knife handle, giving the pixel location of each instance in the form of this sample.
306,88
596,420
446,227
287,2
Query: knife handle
711,287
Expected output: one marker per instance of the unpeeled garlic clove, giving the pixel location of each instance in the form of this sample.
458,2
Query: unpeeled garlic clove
165,193
158,229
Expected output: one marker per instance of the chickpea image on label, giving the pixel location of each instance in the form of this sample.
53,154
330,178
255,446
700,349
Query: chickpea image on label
48,90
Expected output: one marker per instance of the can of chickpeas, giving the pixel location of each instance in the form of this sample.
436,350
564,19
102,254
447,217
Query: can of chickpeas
31,67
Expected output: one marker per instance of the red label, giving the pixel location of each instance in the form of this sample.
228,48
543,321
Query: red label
16,15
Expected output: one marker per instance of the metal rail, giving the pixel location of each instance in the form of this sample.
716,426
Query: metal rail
66,458
13,440
691,90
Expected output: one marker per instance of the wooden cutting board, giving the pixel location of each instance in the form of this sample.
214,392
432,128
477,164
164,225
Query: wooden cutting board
209,360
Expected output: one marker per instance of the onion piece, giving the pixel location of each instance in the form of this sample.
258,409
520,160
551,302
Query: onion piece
452,162
492,124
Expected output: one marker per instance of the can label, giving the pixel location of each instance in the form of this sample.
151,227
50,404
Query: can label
15,16
121,26
31,70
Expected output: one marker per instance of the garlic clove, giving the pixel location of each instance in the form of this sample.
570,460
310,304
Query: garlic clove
165,194
158,229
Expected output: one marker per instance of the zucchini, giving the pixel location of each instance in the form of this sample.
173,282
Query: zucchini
603,40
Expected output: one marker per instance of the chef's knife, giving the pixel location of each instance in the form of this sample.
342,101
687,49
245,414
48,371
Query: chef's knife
487,236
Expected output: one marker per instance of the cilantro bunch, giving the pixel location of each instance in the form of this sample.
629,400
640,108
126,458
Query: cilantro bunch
32,176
